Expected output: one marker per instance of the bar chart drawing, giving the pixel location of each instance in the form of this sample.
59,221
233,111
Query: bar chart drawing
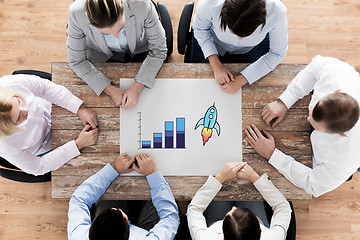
166,140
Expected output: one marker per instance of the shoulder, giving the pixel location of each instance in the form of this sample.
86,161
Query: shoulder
206,5
275,7
77,10
138,5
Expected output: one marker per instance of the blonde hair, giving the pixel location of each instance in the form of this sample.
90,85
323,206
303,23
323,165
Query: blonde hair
7,127
103,13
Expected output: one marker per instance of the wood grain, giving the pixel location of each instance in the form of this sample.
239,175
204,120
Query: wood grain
33,35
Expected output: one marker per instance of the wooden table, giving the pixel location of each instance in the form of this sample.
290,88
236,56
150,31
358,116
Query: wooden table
291,135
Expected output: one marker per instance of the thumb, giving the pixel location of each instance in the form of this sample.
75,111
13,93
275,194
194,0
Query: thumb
136,168
268,135
86,128
278,120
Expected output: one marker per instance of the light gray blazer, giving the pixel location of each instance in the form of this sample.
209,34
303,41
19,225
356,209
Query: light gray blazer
86,43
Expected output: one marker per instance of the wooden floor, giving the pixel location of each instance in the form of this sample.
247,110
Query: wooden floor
32,35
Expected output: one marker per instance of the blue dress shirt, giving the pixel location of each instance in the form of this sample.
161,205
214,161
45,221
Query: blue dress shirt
213,40
94,187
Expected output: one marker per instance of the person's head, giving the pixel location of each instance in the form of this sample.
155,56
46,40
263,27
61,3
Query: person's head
242,17
110,224
335,113
13,112
106,15
241,224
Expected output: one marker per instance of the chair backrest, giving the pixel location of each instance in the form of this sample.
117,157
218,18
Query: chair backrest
9,171
184,33
166,22
291,233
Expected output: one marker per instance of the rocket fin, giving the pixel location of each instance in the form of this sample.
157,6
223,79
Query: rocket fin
217,127
200,122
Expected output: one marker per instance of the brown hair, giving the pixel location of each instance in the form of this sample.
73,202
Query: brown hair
241,224
243,16
339,111
103,13
7,127
110,224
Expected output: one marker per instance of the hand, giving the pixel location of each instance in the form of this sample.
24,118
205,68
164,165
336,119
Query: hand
123,163
131,95
145,164
229,171
87,117
116,94
87,137
221,74
247,173
233,87
265,146
274,111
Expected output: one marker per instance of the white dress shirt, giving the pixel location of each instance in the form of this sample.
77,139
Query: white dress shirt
335,157
213,40
197,223
21,149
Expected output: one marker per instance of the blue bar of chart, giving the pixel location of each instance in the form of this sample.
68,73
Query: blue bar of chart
157,140
180,132
168,139
169,134
146,144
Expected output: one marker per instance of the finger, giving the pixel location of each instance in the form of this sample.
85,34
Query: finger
231,76
86,128
249,138
252,133
267,114
131,168
257,131
136,168
268,135
264,111
277,122
124,100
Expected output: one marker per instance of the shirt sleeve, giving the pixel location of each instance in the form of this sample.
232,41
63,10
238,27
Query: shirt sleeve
202,23
76,53
155,35
304,81
32,164
82,199
199,203
282,212
166,207
316,181
49,91
278,38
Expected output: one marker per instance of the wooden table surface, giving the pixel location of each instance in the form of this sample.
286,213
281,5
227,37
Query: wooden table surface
291,135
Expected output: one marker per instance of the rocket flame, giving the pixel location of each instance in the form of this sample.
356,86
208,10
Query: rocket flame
206,134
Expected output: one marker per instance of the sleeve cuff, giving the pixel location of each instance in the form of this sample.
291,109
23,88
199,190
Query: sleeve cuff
276,158
109,172
213,181
261,180
72,150
288,99
155,179
250,74
99,90
76,104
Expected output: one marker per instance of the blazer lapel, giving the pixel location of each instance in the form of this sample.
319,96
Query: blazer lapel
99,38
130,27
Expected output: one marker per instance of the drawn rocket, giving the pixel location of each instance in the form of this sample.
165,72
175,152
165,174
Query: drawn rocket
209,122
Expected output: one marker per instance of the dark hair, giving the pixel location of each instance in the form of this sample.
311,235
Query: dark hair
240,225
110,224
339,111
243,16
103,13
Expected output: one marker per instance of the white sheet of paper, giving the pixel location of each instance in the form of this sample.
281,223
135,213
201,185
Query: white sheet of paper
190,99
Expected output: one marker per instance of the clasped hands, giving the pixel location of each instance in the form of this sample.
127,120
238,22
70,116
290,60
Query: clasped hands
142,163
124,99
239,170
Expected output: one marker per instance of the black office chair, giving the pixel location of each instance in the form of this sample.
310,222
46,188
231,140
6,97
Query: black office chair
166,23
11,172
291,233
184,37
